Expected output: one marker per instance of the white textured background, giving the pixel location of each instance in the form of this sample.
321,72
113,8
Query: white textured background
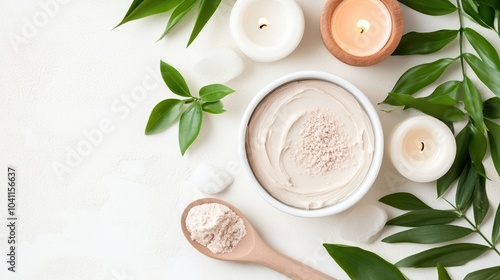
113,213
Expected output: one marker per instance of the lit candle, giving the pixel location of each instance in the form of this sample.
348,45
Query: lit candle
361,27
422,148
267,30
362,32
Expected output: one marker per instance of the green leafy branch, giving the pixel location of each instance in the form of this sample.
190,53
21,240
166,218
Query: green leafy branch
445,102
144,8
366,265
432,226
168,110
428,225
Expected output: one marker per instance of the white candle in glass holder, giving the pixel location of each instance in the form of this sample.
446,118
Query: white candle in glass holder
422,148
266,30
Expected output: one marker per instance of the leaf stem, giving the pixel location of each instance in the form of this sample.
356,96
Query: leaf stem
461,37
474,227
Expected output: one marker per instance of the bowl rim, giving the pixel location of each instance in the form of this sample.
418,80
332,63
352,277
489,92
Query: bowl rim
372,172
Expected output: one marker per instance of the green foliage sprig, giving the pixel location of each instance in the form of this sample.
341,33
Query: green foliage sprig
366,265
168,110
425,229
426,226
446,102
144,8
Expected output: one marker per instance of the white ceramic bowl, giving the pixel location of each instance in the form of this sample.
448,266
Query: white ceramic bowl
372,172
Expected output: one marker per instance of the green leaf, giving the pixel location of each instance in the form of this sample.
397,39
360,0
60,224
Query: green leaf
207,9
471,9
480,202
449,89
419,77
495,233
444,112
362,264
492,3
431,7
483,47
179,12
213,107
494,137
424,43
473,103
498,22
214,92
424,217
442,273
449,255
486,14
491,273
163,114
429,234
133,6
491,108
174,80
189,126
461,159
404,201
144,8
442,100
477,149
487,75
465,188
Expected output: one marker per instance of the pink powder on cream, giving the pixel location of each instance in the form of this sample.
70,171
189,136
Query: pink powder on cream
324,146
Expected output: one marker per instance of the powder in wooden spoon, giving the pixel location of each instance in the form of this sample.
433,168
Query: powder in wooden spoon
215,226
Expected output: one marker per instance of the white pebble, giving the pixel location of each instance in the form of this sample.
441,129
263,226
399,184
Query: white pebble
211,180
219,66
363,223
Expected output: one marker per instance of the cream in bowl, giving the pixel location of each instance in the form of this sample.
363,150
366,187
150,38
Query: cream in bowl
312,144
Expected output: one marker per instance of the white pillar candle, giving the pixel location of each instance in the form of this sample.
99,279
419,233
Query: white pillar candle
422,148
361,27
266,30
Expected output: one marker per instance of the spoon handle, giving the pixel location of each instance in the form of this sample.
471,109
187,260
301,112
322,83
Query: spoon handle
292,268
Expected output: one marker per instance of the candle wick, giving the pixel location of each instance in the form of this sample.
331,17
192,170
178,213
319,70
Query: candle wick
422,146
263,22
363,26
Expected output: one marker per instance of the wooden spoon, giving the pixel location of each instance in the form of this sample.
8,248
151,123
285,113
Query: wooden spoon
252,248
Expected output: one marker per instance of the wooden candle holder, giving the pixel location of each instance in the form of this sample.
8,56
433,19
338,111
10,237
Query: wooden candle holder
396,34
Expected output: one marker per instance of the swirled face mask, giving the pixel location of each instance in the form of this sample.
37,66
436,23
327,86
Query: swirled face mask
309,143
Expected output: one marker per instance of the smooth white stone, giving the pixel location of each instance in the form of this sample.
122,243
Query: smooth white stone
219,66
363,223
211,180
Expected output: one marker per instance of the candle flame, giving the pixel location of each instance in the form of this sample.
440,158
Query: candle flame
363,26
263,23
421,147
